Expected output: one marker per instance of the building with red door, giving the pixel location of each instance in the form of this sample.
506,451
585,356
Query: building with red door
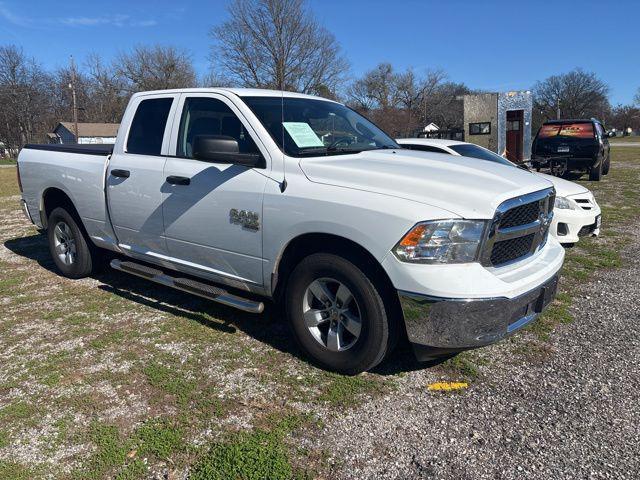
500,122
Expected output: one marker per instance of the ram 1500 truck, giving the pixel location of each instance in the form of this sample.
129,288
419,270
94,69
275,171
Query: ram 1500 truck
243,196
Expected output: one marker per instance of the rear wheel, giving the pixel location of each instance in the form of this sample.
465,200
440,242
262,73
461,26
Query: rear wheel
69,248
595,174
337,315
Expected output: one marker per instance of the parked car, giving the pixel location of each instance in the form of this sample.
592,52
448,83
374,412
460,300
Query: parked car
576,212
572,145
230,194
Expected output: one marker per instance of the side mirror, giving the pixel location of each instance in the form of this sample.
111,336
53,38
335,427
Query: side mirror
223,149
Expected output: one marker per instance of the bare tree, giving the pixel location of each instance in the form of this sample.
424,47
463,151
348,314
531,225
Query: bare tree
403,102
155,68
624,117
576,94
277,44
107,91
378,88
24,96
636,98
415,94
444,106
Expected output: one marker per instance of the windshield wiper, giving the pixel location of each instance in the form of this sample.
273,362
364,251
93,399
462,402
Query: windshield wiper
313,151
336,150
343,150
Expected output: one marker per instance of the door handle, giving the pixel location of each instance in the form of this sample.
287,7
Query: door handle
116,172
176,180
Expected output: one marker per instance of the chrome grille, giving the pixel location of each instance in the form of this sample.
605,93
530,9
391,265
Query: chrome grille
521,215
519,228
508,250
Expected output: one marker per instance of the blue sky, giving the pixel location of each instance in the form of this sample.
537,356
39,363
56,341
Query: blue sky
491,45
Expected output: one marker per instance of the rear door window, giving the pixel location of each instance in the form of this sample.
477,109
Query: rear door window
148,125
574,130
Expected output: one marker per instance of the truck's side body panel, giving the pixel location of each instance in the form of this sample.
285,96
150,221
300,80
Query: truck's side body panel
79,176
201,232
135,202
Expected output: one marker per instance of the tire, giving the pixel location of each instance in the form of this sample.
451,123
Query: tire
322,331
69,248
595,173
607,165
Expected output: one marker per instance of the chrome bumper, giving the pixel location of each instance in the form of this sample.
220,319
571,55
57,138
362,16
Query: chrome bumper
437,326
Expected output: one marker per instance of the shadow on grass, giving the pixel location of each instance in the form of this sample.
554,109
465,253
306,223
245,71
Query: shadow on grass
269,327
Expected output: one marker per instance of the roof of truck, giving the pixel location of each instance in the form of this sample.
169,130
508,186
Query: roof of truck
241,92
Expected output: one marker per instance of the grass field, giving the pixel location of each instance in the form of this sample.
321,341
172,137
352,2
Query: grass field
7,161
634,139
113,377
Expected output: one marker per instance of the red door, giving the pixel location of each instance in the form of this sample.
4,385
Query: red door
514,135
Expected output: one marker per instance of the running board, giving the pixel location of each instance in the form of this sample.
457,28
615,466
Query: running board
187,285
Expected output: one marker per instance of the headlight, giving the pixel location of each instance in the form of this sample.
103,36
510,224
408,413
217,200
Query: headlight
442,241
562,203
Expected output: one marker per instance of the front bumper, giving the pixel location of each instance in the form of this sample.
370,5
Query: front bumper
570,224
436,326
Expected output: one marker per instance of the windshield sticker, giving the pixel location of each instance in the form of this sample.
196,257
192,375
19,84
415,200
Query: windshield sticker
302,134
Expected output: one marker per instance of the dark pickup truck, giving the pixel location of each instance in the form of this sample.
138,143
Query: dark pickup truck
572,145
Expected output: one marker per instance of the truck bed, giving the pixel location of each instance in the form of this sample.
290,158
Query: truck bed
75,170
86,149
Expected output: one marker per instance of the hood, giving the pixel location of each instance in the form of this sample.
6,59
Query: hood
564,188
467,187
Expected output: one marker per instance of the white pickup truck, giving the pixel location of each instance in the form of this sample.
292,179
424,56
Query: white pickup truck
242,196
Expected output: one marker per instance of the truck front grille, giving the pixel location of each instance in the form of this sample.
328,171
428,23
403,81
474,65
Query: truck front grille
521,215
519,228
508,250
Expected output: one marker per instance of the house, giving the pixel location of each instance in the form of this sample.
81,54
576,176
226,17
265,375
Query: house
87,133
432,127
500,122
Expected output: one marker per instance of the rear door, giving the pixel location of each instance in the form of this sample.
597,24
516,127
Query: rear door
135,175
213,211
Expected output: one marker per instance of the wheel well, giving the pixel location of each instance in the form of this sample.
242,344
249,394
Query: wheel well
53,198
310,243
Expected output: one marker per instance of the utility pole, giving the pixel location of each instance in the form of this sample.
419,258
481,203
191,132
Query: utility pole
72,86
558,109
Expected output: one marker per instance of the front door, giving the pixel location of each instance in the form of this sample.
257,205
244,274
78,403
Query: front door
514,135
213,211
135,176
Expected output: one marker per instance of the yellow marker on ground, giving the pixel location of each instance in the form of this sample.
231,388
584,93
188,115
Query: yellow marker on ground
446,386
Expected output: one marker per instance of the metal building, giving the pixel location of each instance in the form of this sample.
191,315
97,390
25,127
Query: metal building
500,122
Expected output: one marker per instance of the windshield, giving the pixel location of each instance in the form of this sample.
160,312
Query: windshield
310,127
475,151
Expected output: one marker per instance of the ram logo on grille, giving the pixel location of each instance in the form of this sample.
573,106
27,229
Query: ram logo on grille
519,228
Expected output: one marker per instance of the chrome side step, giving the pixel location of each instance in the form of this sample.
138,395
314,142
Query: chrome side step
187,285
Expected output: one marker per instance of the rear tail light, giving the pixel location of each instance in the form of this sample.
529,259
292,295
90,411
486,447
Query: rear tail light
18,174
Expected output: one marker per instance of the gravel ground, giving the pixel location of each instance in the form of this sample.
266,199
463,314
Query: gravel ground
575,414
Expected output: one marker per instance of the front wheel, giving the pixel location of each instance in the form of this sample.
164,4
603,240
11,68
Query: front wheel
68,246
337,315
